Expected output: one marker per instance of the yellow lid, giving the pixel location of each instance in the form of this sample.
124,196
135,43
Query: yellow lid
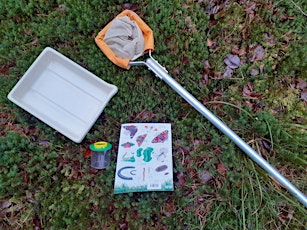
100,146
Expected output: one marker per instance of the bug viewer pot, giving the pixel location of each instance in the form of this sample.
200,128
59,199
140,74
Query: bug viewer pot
100,154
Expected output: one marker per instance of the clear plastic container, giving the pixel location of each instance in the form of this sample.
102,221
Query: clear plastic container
100,154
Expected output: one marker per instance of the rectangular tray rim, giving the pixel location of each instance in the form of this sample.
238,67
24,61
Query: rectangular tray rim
40,116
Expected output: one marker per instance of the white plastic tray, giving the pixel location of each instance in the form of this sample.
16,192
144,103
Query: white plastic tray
62,94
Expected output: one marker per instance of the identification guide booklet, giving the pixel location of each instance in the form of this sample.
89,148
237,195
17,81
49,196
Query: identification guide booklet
144,159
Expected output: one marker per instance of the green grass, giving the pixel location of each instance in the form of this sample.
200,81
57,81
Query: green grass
49,184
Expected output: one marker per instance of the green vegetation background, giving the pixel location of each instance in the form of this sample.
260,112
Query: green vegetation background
46,183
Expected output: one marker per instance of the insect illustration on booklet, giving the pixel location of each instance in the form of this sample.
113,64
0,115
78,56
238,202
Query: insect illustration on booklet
161,138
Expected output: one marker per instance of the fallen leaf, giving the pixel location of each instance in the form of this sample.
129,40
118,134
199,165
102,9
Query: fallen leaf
5,204
221,169
171,44
210,42
34,42
285,17
228,39
228,72
123,225
217,183
304,95
232,61
129,6
26,177
37,222
181,178
218,75
205,176
87,153
254,72
27,32
207,66
186,6
250,9
248,91
188,21
44,143
261,68
212,9
276,10
111,207
185,60
146,115
249,104
285,215
235,50
170,207
288,36
259,107
176,71
269,38
61,7
266,145
241,52
196,143
301,84
4,69
94,208
259,54
205,80
212,22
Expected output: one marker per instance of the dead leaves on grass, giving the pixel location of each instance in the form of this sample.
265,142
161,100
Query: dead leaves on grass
205,176
232,61
8,124
258,54
285,215
13,210
194,168
246,18
304,95
301,85
4,69
249,92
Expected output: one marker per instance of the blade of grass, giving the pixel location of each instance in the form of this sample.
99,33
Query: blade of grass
259,186
235,106
298,125
243,197
270,132
293,202
254,195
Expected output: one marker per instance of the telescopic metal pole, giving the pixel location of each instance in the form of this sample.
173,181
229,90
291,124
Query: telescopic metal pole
162,73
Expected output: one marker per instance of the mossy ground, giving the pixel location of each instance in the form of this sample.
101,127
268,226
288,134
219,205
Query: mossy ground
46,182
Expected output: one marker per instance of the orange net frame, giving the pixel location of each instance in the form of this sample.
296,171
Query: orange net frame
147,34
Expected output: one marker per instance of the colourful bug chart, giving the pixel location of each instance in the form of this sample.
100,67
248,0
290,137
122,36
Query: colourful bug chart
144,159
